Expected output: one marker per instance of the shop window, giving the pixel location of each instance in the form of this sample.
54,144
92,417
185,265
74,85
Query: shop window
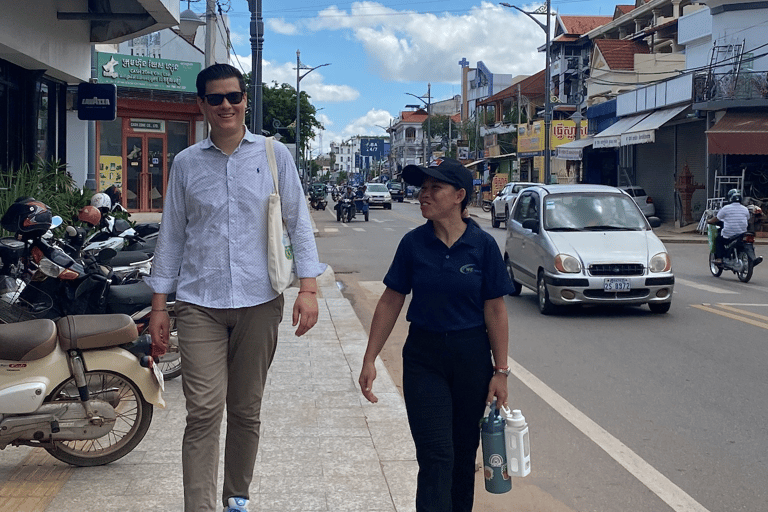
178,139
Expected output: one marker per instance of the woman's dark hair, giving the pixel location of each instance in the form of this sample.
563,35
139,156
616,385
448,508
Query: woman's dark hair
217,72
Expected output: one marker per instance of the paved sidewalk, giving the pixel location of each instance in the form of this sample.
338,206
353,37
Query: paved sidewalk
323,446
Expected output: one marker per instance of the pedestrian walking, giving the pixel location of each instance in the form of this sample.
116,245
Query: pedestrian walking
457,333
212,251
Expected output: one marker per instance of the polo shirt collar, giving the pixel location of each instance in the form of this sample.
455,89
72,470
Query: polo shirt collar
248,137
468,237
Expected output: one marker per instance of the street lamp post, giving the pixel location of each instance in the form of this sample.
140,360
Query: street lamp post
546,10
428,103
299,76
257,44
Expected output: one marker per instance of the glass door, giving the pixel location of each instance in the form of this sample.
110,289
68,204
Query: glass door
145,175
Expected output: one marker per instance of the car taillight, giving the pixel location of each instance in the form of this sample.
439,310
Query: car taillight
649,200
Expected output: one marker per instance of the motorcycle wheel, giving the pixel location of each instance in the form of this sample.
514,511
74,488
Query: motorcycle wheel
715,269
746,269
134,414
487,206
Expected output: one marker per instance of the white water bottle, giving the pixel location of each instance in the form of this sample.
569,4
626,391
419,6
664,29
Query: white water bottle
517,443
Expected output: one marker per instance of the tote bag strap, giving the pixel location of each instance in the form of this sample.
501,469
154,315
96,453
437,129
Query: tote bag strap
272,162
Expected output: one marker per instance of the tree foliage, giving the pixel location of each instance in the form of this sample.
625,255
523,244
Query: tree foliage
279,109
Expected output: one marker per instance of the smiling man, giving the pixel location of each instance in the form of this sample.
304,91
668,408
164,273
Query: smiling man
212,251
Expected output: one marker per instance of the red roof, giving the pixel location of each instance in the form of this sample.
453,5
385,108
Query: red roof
531,86
620,54
582,24
621,10
413,116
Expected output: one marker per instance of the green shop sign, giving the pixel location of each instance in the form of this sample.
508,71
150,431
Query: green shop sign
147,73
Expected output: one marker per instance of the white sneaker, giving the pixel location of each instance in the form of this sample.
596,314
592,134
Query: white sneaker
236,505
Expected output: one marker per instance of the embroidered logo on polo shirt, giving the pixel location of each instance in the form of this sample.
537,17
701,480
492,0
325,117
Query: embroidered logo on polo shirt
469,269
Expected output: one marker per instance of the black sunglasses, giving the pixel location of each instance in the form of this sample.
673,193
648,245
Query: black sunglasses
234,98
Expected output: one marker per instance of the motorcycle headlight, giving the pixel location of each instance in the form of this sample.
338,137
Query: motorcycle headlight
660,262
50,268
567,264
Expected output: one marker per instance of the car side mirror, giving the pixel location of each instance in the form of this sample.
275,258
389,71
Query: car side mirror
654,222
531,224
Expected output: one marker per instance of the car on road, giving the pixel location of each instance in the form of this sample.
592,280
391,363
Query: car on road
502,203
586,244
378,195
643,200
396,190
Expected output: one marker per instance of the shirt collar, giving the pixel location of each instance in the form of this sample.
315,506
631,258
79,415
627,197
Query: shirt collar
248,137
468,237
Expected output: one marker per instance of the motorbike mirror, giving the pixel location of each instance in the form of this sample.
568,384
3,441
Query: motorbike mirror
105,255
56,221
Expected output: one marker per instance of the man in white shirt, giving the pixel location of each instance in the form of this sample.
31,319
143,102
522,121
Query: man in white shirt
212,251
735,219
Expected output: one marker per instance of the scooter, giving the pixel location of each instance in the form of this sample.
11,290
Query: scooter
739,255
83,388
317,202
345,210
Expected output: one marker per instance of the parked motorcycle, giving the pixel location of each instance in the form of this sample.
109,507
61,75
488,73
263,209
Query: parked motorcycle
41,280
317,198
83,388
739,255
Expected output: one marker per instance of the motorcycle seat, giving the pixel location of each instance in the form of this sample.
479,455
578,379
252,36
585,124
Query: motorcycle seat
126,258
95,331
27,341
125,298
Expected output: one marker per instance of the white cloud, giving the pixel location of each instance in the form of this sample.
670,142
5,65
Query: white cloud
409,46
280,26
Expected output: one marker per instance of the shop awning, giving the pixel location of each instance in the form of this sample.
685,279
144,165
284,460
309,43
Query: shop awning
645,130
611,136
573,150
739,133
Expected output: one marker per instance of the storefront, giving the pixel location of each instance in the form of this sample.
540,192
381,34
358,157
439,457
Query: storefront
157,117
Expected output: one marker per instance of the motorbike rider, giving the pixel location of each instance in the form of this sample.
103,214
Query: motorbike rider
349,193
735,219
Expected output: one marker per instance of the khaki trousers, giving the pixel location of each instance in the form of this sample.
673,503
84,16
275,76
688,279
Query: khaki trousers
225,355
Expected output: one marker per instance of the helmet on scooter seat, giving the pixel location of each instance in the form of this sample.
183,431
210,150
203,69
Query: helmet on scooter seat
28,217
90,215
102,202
734,196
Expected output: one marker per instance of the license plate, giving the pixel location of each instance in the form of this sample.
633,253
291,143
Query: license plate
158,376
615,284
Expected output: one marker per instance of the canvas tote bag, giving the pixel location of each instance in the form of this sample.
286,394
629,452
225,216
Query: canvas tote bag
281,264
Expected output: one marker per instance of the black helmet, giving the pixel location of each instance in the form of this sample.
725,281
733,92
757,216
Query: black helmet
734,196
27,216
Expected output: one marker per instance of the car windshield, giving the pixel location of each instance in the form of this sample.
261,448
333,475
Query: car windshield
396,186
520,186
592,212
377,187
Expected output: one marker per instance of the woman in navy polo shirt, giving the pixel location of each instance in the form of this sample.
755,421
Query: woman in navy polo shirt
458,330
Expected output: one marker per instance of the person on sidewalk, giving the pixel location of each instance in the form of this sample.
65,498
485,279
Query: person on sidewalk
735,218
212,251
458,320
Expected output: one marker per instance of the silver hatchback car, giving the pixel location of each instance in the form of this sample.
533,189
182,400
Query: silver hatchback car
586,244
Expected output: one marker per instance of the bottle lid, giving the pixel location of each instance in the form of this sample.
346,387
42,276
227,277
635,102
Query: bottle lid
517,419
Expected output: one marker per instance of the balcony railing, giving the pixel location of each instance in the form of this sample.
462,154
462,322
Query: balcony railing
744,86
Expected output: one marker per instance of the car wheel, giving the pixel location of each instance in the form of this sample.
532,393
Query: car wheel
516,287
659,307
388,206
545,305
494,221
714,267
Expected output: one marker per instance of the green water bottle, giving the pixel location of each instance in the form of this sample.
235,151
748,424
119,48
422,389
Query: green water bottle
497,479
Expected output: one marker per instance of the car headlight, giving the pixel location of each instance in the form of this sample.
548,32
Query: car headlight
660,263
567,264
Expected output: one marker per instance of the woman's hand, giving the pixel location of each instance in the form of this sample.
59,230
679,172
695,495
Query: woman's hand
497,388
367,376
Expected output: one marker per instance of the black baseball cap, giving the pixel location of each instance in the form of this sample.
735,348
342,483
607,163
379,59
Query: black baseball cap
447,170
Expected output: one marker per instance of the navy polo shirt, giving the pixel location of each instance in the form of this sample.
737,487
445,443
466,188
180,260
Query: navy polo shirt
450,284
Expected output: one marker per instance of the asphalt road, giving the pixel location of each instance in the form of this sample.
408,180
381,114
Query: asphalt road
628,410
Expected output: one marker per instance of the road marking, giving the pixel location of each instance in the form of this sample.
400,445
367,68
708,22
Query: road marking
728,307
359,229
331,230
709,309
705,287
659,484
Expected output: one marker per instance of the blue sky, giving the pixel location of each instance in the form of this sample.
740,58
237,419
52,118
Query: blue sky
379,51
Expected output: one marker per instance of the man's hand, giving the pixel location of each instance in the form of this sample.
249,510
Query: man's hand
305,312
159,330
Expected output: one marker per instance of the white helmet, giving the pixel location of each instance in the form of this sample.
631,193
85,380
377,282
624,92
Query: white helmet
102,202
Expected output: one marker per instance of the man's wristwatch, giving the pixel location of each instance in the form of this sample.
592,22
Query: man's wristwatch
505,370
